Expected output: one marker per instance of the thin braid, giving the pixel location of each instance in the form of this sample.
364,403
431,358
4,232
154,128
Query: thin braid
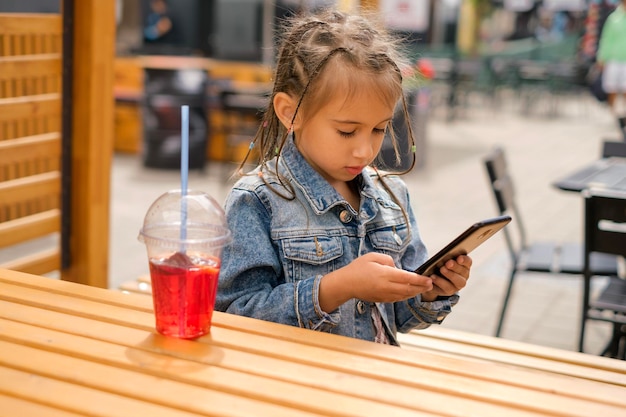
313,75
394,197
270,129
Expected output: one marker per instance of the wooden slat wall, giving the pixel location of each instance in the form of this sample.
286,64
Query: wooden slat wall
30,139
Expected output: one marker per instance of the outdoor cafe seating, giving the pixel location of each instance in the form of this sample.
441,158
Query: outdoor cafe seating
605,232
536,256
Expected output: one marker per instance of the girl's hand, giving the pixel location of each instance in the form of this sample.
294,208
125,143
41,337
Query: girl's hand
455,275
372,277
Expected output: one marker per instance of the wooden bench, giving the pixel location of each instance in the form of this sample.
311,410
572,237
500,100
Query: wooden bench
457,343
30,140
142,285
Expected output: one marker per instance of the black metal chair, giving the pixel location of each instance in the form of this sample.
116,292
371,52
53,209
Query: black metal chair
538,256
605,232
166,90
533,83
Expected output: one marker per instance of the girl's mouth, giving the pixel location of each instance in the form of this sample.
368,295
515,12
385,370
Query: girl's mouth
354,170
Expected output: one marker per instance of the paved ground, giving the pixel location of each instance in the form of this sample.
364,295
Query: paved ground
449,193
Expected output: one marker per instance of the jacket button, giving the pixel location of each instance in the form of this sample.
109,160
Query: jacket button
360,307
345,216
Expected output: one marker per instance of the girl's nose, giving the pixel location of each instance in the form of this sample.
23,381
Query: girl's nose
364,149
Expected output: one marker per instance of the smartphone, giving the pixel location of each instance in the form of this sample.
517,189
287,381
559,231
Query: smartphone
466,242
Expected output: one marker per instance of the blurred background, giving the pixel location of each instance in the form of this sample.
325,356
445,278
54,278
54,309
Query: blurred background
483,73
218,55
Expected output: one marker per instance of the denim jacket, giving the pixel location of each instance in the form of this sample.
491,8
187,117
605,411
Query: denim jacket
282,248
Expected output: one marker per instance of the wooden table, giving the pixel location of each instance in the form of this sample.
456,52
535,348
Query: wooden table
605,173
67,349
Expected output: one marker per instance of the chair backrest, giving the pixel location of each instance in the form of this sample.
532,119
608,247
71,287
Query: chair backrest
500,180
605,222
503,190
166,90
30,141
613,148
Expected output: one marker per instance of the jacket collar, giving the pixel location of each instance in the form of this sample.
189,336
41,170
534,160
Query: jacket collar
318,192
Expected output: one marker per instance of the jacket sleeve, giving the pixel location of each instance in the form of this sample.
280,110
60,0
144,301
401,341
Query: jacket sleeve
251,281
414,313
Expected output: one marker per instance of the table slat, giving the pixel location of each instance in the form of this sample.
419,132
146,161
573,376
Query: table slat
76,398
25,408
87,292
492,349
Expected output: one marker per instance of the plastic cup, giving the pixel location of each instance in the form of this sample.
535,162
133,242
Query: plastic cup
184,236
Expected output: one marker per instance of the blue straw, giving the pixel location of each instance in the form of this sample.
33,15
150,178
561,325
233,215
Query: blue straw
184,169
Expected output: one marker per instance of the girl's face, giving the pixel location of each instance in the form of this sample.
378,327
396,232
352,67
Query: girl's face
345,135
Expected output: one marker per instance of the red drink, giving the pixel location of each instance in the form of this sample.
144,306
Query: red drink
183,290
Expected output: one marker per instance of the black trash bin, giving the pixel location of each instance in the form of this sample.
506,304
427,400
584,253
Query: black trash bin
166,91
418,102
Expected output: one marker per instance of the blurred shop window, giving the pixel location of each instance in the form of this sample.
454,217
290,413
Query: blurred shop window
119,8
406,16
238,30
565,5
30,6
519,5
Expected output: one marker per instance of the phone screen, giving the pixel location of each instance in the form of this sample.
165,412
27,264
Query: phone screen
463,244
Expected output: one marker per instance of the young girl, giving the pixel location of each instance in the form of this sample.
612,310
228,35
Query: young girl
322,240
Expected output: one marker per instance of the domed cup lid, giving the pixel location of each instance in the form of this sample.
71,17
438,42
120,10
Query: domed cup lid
194,221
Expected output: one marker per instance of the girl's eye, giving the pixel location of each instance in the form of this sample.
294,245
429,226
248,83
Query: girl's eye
376,131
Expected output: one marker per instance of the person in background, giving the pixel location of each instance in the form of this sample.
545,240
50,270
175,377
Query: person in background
612,59
322,238
158,24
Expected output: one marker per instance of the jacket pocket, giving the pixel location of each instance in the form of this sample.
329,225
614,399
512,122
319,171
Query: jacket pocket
311,255
391,240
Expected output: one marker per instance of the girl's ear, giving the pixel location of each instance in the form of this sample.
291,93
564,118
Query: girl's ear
284,107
